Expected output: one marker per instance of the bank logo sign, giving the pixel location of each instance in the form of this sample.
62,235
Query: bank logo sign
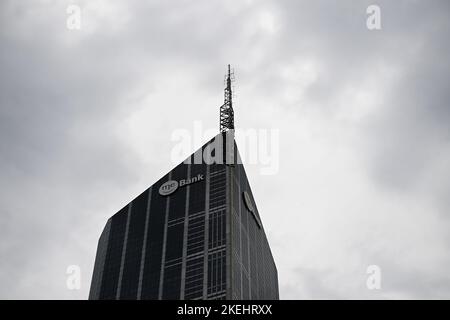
168,187
171,186
249,205
248,201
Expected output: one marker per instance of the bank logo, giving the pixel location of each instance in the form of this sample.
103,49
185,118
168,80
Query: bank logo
171,186
248,201
249,205
168,187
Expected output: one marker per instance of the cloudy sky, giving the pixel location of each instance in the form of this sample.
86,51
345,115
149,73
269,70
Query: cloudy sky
87,119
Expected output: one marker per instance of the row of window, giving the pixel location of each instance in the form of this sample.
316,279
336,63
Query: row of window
216,272
194,278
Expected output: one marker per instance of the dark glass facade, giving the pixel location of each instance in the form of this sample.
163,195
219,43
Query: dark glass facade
204,240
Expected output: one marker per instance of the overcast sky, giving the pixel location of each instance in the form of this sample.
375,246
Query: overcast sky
87,117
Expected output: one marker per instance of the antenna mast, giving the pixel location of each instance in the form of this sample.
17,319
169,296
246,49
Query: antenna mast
226,110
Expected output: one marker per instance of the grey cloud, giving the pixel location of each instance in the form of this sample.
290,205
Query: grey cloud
66,163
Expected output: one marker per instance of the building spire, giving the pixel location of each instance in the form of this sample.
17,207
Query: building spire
226,110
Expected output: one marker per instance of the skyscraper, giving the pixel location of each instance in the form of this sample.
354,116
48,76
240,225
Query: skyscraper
194,234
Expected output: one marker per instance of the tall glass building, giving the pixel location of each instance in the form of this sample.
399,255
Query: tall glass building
194,234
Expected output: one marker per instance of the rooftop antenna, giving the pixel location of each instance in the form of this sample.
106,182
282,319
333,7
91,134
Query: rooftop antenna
226,110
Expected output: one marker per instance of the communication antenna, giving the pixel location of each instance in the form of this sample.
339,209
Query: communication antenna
226,110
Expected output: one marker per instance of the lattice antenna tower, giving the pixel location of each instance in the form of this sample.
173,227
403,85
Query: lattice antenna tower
226,110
